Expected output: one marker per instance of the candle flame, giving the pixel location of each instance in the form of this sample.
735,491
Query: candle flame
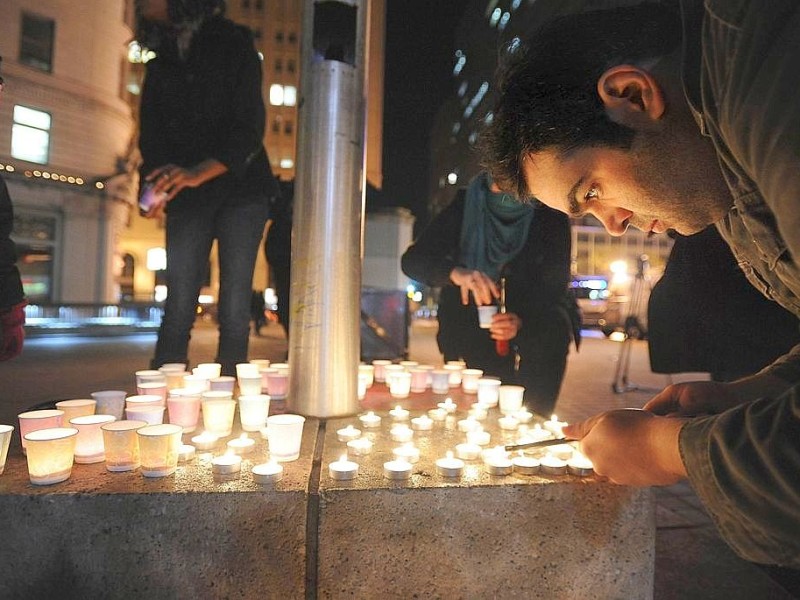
554,417
343,457
244,436
449,454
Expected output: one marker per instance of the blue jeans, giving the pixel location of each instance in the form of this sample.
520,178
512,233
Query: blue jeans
190,234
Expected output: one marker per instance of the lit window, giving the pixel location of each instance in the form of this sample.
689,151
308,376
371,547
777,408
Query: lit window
504,21
30,135
515,4
287,163
156,259
462,89
138,54
289,95
276,94
459,66
495,17
456,127
452,178
36,42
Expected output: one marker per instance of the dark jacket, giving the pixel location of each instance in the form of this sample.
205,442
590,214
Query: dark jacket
10,283
208,106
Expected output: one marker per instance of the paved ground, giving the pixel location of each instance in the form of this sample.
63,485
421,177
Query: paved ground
692,562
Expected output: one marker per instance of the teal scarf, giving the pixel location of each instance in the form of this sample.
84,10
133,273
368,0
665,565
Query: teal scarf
494,229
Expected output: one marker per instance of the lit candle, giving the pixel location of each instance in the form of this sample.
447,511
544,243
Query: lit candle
437,414
242,445
422,423
401,433
347,434
399,413
508,423
227,464
269,472
479,437
535,434
562,451
343,469
408,452
552,465
525,465
498,463
448,405
205,441
370,420
468,451
449,466
360,446
555,426
186,452
580,465
468,424
478,412
397,469
523,416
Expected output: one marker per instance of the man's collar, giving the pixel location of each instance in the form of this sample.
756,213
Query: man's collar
692,12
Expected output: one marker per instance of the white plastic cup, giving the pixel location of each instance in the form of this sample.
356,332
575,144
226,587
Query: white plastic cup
469,380
153,388
152,415
79,407
139,400
158,449
247,369
285,434
369,372
110,402
440,381
224,383
488,391
379,366
89,447
5,440
121,445
400,384
218,415
50,454
485,314
250,385
33,420
454,371
253,411
208,370
278,384
510,397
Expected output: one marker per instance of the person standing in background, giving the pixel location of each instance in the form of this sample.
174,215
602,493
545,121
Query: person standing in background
12,297
204,162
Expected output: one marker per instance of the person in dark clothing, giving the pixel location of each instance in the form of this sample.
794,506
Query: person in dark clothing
12,297
704,316
202,127
278,250
479,238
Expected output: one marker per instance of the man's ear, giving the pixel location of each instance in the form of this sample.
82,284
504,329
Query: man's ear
629,92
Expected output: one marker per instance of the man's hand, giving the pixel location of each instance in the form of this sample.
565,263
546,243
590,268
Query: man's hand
170,179
483,289
632,447
693,398
12,331
505,326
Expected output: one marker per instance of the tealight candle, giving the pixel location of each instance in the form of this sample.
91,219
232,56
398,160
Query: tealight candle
268,472
343,469
449,466
370,420
497,464
227,464
360,446
448,405
422,423
562,451
523,416
205,441
525,465
401,433
397,469
479,437
468,424
186,452
508,423
408,452
580,465
555,426
347,434
479,411
468,451
398,413
535,434
552,465
437,414
242,445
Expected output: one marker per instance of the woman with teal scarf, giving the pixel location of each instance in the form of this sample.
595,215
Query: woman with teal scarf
484,235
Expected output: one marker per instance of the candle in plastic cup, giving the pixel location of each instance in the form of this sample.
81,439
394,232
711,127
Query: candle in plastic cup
363,384
153,388
389,371
167,368
152,415
139,401
419,379
278,384
247,369
210,370
369,372
400,384
379,365
454,371
50,454
253,411
440,381
250,385
122,445
175,379
469,380
264,373
148,375
89,442
34,420
218,415
488,391
224,383
80,407
196,382
110,402
184,409
485,314
158,449
510,398
5,439
285,434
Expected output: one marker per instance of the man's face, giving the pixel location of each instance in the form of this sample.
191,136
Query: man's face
650,187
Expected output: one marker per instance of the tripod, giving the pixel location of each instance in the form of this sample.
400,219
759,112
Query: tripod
634,329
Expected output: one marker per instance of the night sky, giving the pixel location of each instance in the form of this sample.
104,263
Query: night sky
418,76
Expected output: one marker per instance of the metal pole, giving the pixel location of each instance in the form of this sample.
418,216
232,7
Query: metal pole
324,340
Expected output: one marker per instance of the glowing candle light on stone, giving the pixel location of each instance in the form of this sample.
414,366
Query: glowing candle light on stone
448,405
242,445
370,420
422,423
268,472
449,466
343,469
227,464
397,469
579,465
360,446
525,465
398,413
408,452
205,441
347,434
554,426
552,465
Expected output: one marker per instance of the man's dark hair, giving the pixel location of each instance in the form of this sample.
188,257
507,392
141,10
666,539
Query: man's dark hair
547,89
